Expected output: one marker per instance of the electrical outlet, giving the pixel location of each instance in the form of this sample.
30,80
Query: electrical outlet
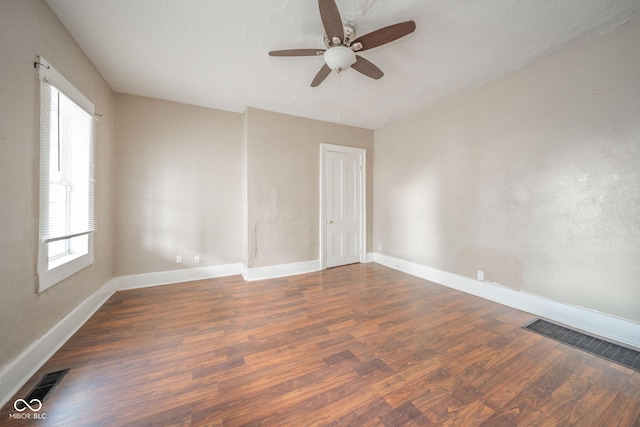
480,275
197,259
379,246
178,259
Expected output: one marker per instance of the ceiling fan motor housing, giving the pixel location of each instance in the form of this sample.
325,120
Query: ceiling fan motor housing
349,36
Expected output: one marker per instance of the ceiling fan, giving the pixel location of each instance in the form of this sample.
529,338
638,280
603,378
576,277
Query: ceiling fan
342,45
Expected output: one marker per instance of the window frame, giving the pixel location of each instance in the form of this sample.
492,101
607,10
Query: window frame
51,272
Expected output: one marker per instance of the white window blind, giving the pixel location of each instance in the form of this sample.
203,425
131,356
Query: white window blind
66,167
67,214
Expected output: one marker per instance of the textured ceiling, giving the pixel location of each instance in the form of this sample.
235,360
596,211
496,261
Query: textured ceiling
213,53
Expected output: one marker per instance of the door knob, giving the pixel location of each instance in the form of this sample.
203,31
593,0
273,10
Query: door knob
330,221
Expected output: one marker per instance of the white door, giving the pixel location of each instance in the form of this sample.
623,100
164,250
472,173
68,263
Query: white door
343,216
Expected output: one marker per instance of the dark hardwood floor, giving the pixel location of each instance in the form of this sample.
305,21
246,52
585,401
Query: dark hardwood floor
360,345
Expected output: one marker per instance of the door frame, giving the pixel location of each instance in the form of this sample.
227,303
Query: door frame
362,203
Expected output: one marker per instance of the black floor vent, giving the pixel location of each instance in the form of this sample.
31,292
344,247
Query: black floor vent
44,387
616,353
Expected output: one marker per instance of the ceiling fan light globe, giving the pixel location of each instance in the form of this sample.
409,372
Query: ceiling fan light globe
339,58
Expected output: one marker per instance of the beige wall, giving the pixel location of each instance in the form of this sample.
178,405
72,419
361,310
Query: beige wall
228,187
282,161
533,178
28,28
179,186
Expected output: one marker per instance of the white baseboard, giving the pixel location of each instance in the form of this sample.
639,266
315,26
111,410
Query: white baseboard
14,375
594,322
145,280
282,270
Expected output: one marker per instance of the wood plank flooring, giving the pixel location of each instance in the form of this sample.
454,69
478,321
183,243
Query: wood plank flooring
361,345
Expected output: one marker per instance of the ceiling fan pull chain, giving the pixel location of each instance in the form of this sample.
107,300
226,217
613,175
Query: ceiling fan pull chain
339,103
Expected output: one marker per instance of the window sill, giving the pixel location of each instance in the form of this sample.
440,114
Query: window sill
63,260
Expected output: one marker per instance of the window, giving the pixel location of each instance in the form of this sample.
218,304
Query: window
67,215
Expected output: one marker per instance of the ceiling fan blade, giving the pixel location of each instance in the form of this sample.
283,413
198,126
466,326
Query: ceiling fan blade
385,35
297,52
331,19
322,74
367,68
